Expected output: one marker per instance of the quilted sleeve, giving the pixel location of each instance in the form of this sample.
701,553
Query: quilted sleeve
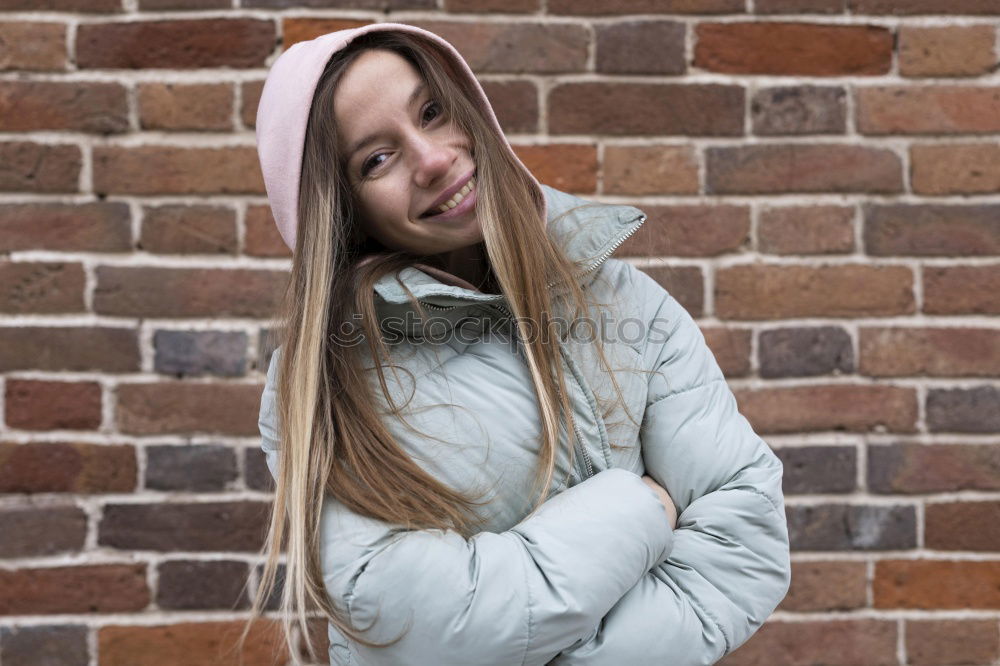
517,597
729,566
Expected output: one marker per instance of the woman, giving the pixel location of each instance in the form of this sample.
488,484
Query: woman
460,474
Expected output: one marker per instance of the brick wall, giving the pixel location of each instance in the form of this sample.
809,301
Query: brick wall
823,184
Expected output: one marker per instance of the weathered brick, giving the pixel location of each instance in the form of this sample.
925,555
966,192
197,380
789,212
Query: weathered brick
176,170
640,47
830,642
818,469
961,289
650,170
806,230
944,352
97,226
937,584
846,407
955,168
685,283
175,44
181,407
852,527
567,167
191,585
933,468
621,109
32,46
951,642
805,351
67,467
147,291
185,353
249,101
273,601
36,531
592,7
757,291
515,104
689,231
39,167
803,109
34,404
954,50
518,6
962,525
192,644
928,110
73,348
975,409
62,5
257,475
296,29
826,586
98,588
193,467
40,645
179,229
795,167
954,7
731,349
82,106
160,5
380,5
932,229
799,6
41,287
202,526
177,106
803,49
262,238
269,339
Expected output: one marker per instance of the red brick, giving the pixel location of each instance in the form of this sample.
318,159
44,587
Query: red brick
519,6
961,289
840,407
650,170
830,642
95,227
640,47
250,99
181,407
933,468
937,584
689,231
180,229
731,349
39,167
159,5
962,526
804,351
932,230
192,644
73,348
818,229
32,46
175,44
928,110
176,170
102,588
799,6
296,29
685,283
67,467
955,168
802,49
38,531
826,586
941,352
594,7
796,167
951,642
48,405
262,238
621,109
41,287
946,50
759,291
515,104
950,7
148,291
177,106
566,167
81,106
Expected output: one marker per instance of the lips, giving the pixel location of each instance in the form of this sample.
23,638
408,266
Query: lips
448,194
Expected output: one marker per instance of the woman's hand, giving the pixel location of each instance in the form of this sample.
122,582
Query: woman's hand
668,504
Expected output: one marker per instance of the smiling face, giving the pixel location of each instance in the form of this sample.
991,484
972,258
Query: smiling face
403,157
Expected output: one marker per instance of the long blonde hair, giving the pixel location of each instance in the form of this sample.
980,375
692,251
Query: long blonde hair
332,440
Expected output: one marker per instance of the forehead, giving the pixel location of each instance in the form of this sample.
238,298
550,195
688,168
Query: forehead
372,89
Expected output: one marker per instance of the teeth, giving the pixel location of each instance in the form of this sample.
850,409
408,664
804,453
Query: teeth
457,197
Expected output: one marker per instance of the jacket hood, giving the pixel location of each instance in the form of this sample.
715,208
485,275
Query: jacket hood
283,113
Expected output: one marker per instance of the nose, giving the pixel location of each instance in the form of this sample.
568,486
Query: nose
433,158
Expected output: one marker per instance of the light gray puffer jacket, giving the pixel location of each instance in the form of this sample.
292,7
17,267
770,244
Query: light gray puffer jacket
596,576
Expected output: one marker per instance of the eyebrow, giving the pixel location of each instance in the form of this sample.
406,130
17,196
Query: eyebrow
371,138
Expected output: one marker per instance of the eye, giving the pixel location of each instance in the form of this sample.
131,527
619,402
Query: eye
371,163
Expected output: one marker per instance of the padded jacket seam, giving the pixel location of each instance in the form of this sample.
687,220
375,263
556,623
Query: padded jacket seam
682,391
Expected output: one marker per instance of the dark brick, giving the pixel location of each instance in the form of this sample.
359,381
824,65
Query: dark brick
36,531
202,526
818,469
974,409
805,352
932,230
258,476
184,229
640,47
852,527
56,645
190,467
72,348
790,110
187,353
933,468
192,584
39,167
274,599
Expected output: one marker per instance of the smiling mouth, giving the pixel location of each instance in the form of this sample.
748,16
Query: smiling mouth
454,201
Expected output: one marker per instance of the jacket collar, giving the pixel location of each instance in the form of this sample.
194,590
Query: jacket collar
589,236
